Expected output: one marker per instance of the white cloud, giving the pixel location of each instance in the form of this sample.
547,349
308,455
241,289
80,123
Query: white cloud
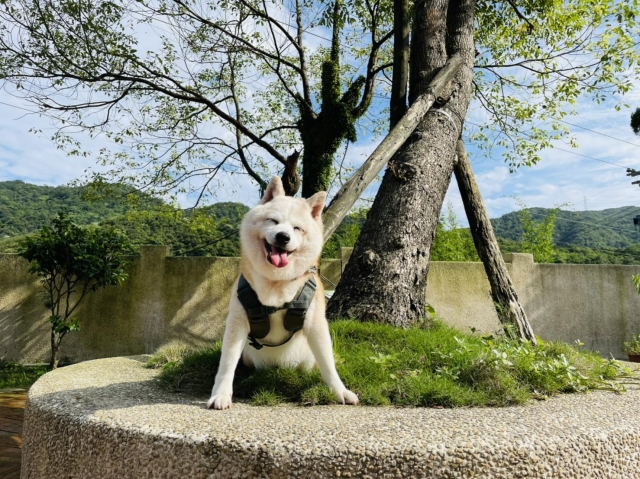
561,176
494,180
31,157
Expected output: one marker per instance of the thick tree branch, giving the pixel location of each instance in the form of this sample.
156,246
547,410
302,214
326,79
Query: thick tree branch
346,197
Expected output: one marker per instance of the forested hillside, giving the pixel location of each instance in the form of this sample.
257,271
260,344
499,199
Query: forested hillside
597,237
610,228
211,230
25,207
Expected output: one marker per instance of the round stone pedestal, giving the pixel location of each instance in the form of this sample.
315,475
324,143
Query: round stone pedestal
109,419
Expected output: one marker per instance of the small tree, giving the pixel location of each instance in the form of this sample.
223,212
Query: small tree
452,242
537,237
72,262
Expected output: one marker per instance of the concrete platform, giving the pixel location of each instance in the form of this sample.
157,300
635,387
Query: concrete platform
109,419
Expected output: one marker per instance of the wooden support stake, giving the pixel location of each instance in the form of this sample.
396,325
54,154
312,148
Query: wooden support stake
510,311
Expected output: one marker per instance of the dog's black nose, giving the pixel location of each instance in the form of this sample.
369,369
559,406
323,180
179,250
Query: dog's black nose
282,238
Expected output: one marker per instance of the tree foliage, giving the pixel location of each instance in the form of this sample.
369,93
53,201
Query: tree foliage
537,236
346,234
72,262
207,231
538,58
452,242
190,92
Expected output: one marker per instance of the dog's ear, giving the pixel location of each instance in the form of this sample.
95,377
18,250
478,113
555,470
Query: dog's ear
274,189
316,202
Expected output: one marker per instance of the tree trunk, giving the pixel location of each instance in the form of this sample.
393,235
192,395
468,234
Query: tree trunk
55,351
398,105
321,139
510,312
290,177
385,280
322,134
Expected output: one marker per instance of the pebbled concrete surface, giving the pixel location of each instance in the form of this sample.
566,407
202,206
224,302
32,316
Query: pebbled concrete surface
109,419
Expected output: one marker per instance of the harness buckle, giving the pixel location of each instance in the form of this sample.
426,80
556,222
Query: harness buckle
258,314
254,342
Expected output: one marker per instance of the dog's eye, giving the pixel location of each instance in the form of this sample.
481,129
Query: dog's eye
272,220
297,228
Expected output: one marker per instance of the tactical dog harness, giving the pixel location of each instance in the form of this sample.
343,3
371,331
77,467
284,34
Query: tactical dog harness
258,314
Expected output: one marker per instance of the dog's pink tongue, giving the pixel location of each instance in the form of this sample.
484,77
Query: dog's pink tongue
279,257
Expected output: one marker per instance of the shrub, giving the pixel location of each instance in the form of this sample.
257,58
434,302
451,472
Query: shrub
72,262
633,346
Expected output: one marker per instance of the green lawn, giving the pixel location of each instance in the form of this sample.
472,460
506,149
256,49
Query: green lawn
14,375
430,365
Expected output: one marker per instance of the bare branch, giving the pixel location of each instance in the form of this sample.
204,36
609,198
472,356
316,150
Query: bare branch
262,183
520,15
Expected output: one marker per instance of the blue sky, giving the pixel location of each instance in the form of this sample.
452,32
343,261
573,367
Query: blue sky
562,177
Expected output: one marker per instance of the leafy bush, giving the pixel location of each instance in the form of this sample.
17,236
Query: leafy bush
633,346
206,231
431,365
346,234
72,262
452,242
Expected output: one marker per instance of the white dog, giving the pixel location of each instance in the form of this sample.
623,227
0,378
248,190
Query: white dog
281,241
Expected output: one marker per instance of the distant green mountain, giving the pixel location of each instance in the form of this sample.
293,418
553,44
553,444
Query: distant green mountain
209,231
610,228
606,236
25,208
227,211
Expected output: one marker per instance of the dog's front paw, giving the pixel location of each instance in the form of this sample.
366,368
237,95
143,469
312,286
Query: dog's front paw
221,401
346,397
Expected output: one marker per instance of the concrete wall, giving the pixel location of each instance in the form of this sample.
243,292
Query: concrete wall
184,300
596,304
165,300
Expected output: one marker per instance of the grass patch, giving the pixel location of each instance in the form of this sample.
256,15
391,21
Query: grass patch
431,365
14,375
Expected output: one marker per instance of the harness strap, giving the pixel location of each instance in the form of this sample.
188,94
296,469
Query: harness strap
258,318
297,309
254,342
258,314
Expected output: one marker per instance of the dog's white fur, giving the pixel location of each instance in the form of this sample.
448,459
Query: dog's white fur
301,220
